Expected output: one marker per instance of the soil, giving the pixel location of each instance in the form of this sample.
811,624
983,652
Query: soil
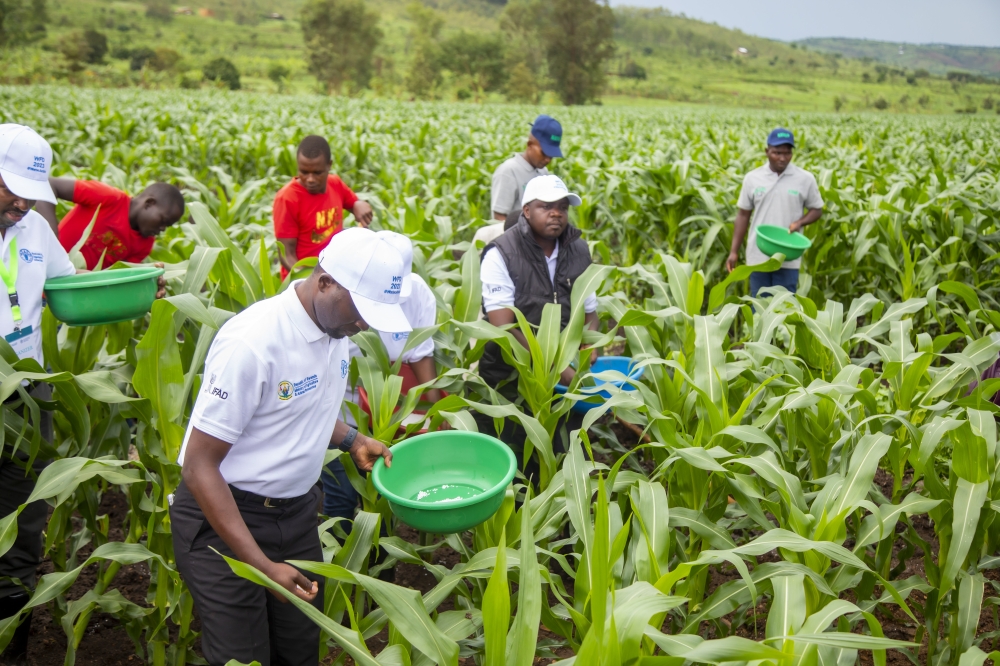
106,643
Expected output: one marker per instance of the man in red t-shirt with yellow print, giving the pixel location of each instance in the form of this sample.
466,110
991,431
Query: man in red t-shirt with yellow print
310,209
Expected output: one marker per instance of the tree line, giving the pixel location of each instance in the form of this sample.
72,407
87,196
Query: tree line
558,45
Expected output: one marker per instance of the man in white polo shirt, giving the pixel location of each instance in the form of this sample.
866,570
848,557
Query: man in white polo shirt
30,254
263,420
775,194
420,307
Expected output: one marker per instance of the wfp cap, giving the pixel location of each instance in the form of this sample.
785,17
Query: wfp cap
780,137
25,160
371,269
548,131
405,249
548,189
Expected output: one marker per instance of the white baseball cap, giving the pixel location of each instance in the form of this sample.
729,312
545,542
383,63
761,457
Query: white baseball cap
371,269
548,189
25,160
404,246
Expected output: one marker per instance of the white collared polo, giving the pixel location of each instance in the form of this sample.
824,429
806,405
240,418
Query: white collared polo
272,388
40,257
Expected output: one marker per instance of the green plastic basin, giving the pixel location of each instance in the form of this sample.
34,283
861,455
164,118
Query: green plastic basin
103,297
446,482
771,240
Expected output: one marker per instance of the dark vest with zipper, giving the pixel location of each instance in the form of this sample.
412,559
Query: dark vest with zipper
533,288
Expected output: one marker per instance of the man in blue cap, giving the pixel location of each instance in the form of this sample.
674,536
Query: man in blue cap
774,194
511,177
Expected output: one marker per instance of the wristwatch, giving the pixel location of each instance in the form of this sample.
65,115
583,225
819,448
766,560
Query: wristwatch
348,441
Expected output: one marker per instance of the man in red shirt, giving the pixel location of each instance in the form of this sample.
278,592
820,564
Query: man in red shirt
126,227
310,209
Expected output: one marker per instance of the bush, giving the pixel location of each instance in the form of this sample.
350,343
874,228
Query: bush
159,9
140,57
222,70
924,100
988,104
97,46
634,70
164,59
922,74
83,47
278,72
121,53
881,104
463,94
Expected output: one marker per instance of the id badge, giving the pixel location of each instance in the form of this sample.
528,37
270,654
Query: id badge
23,341
17,335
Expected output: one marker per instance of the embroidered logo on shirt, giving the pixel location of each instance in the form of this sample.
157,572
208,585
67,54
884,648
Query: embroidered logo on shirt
794,193
285,390
400,336
219,393
27,256
305,385
344,365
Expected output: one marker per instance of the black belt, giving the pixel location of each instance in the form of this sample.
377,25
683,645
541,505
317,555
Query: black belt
254,498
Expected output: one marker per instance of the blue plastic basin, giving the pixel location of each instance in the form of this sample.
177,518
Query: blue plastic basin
622,364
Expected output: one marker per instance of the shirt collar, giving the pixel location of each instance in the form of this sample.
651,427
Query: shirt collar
555,252
297,313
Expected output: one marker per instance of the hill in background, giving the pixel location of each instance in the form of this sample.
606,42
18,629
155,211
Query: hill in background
659,58
935,58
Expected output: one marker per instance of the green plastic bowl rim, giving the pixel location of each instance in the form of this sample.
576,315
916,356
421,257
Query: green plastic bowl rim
56,284
444,506
781,242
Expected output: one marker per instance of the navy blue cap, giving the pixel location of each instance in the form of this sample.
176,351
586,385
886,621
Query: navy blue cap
781,137
548,131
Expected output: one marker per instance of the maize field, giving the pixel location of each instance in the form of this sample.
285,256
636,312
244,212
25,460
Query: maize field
811,479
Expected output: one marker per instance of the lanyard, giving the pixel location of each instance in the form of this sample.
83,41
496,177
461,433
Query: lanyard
9,276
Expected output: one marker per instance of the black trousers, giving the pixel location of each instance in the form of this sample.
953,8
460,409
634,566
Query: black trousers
239,619
16,485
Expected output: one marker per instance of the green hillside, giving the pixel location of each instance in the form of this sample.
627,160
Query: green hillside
935,58
659,58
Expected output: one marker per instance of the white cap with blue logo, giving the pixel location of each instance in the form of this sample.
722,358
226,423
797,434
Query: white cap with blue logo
25,160
404,246
371,269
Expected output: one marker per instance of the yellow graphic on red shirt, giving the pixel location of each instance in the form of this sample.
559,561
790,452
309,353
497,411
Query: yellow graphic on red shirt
115,246
326,224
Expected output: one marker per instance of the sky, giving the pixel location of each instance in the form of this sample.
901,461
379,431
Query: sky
964,22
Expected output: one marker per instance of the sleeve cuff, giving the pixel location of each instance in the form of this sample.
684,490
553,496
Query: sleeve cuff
227,435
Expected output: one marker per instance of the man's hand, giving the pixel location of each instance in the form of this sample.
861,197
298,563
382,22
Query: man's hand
292,580
363,213
731,262
161,282
795,226
567,376
367,450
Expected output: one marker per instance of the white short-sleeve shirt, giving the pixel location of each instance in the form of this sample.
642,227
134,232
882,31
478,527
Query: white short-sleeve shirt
40,257
498,286
778,200
272,388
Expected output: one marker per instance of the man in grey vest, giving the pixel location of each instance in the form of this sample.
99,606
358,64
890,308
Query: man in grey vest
533,263
775,194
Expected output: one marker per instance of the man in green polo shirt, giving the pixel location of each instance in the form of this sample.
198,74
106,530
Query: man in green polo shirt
776,194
